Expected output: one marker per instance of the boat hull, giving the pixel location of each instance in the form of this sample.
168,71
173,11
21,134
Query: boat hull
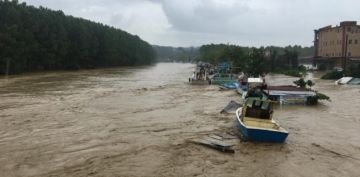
199,82
222,81
260,134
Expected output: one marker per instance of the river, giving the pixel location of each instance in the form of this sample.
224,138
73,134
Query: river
133,122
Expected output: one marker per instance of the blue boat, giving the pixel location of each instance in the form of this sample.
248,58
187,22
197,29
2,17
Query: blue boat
230,86
256,123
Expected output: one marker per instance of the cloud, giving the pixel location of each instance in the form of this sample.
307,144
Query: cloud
197,22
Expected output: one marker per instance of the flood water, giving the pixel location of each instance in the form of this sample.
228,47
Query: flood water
134,122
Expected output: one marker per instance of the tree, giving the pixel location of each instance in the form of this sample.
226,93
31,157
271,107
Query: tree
34,39
256,64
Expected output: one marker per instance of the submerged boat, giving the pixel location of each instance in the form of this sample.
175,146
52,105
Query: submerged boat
290,95
256,123
348,80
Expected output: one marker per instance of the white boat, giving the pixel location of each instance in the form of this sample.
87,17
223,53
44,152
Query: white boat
348,80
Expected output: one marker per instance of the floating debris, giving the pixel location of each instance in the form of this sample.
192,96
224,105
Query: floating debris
231,108
222,142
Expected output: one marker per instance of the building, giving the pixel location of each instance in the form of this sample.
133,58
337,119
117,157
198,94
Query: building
337,46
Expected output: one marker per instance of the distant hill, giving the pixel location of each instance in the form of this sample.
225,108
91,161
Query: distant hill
36,39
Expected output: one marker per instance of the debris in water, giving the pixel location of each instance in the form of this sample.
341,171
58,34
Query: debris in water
231,108
221,142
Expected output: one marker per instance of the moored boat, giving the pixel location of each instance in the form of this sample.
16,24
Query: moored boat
230,86
200,77
256,122
220,78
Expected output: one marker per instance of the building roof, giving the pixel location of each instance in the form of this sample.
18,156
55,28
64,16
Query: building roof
343,23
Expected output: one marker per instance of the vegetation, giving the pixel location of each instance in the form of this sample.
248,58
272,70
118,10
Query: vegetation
301,83
353,70
307,85
333,75
34,39
256,61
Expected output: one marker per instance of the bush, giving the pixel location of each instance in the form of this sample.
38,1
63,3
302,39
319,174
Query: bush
333,75
321,96
353,70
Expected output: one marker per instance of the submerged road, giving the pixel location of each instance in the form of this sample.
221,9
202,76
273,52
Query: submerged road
134,122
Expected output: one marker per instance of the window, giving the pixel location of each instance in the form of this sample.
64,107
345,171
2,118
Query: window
349,54
355,41
349,29
350,41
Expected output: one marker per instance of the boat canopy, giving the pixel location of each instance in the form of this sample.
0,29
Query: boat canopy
256,108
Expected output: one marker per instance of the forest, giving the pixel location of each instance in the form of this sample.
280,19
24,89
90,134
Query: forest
40,39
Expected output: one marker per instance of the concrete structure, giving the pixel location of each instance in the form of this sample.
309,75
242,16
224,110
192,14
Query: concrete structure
337,46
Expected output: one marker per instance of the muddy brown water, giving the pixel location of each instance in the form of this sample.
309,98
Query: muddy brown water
137,122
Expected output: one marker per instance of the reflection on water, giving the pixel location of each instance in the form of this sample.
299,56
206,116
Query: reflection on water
135,122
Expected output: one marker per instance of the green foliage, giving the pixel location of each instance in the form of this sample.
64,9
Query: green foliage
255,61
35,39
256,64
353,70
300,83
310,83
321,96
333,75
311,100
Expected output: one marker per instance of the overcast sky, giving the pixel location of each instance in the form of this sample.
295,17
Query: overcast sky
197,22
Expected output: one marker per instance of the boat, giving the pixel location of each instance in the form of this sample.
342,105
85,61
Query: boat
243,88
348,80
224,74
252,88
230,86
200,77
220,78
256,122
290,95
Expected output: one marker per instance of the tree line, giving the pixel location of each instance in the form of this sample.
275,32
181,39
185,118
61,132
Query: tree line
37,39
255,61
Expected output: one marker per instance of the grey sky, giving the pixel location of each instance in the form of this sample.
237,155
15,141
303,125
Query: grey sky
197,22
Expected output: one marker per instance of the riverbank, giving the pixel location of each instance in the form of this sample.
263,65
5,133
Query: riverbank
137,122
